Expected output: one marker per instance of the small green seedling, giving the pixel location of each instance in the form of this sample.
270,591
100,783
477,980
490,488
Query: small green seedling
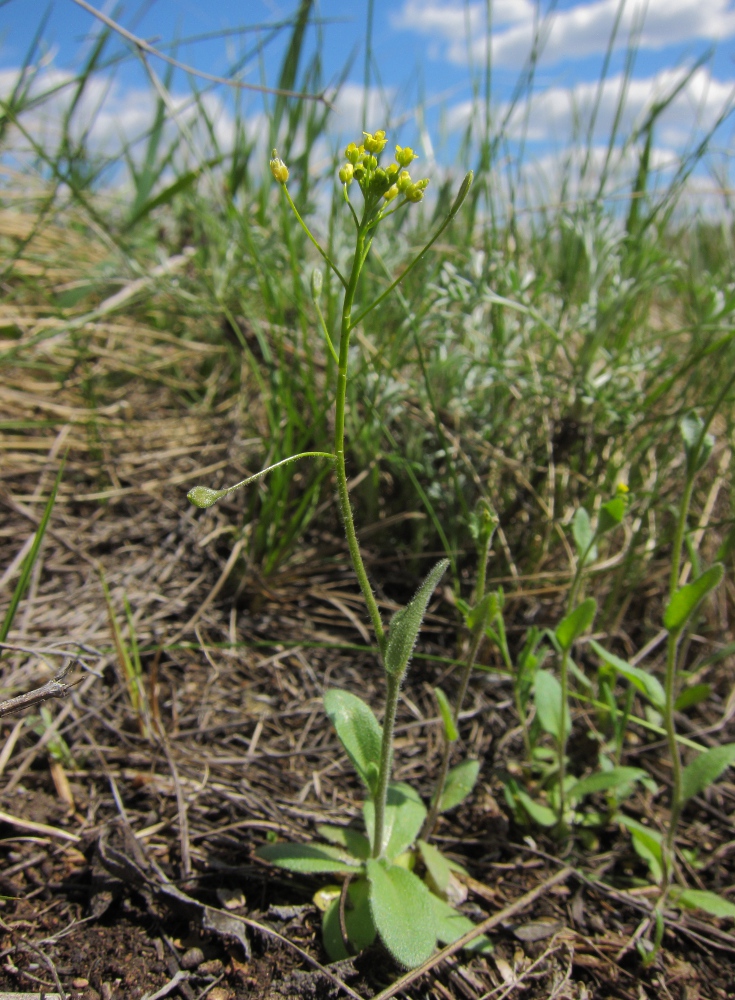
563,793
707,766
383,895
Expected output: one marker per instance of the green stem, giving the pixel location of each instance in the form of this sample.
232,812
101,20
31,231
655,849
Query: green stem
676,803
386,761
339,445
562,737
681,525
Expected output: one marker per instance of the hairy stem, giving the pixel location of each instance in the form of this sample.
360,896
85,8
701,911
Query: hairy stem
386,761
345,508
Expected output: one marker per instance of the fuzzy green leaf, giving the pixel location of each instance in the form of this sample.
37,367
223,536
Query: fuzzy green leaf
354,842
450,729
437,865
646,683
451,925
705,769
684,602
406,623
404,816
710,902
603,781
309,858
583,534
358,922
547,696
460,782
403,912
576,622
359,732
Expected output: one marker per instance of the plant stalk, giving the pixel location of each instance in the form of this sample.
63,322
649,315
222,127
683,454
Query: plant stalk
339,444
386,761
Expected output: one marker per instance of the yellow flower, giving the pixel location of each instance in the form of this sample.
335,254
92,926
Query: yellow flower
346,173
375,141
405,155
391,193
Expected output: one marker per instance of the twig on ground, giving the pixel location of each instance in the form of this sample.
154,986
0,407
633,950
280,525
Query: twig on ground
57,687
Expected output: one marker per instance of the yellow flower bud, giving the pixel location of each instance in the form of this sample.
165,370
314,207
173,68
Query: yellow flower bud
414,193
370,162
392,170
375,142
352,154
279,168
404,180
623,488
391,193
346,173
405,155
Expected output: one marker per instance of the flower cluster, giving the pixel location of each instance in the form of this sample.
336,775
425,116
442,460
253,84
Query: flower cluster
376,181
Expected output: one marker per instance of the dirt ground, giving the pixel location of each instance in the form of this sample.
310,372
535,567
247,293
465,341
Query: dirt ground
127,837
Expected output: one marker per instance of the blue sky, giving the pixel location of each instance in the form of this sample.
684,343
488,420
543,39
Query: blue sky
424,54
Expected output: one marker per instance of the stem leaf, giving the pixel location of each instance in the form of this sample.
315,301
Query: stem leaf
358,922
604,781
697,447
644,682
406,623
460,782
359,733
354,842
403,912
549,705
404,816
583,534
685,601
575,623
705,769
710,902
437,866
445,709
692,696
313,858
647,844
611,514
483,612
538,812
451,925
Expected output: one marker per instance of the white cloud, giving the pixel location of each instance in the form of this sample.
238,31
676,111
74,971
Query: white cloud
574,33
554,115
348,108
